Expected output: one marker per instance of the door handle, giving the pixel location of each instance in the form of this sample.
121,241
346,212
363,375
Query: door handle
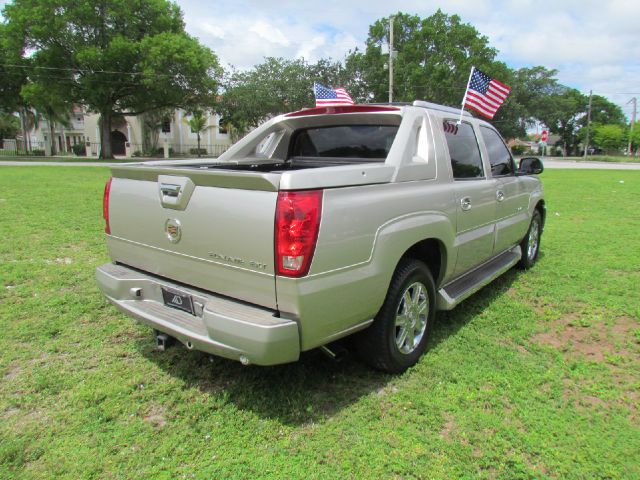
500,195
465,203
170,190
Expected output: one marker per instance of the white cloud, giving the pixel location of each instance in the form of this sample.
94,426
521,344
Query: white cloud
270,33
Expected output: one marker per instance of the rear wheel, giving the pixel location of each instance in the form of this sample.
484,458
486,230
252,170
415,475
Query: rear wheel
530,244
398,336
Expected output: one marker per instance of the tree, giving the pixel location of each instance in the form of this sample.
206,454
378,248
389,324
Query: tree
604,112
51,104
634,137
561,113
435,56
198,124
609,137
116,57
273,87
9,126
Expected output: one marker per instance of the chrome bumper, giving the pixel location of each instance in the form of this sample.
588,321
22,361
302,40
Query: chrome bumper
220,326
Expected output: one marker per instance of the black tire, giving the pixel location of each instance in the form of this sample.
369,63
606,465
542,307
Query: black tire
378,345
530,244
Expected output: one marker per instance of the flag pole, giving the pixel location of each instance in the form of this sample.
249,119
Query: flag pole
465,95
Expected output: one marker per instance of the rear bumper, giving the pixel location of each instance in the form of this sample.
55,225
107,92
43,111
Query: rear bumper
220,326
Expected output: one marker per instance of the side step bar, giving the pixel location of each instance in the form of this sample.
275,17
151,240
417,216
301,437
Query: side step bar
461,288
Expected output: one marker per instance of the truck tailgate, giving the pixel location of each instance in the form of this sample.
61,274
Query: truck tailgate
210,230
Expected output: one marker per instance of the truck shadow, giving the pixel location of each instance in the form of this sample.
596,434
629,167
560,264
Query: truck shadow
313,389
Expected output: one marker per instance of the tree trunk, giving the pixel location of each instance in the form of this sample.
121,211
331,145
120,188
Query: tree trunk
52,132
105,135
198,134
23,124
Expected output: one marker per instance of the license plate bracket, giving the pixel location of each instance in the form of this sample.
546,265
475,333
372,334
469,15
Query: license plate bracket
175,299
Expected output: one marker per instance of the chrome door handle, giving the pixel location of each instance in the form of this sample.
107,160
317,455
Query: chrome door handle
170,190
465,203
500,195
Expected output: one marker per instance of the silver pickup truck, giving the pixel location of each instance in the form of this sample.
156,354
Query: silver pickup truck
320,224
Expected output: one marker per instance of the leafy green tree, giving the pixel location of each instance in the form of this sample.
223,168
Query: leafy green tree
634,137
435,56
116,57
605,112
561,113
9,125
51,105
273,87
609,137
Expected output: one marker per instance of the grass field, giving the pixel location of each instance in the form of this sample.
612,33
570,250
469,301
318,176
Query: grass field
536,376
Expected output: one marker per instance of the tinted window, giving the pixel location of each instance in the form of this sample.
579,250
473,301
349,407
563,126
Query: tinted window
463,150
499,156
346,141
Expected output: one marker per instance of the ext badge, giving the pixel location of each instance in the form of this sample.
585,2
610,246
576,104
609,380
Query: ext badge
173,230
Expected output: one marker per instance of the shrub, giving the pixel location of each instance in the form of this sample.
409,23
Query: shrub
519,149
79,149
194,151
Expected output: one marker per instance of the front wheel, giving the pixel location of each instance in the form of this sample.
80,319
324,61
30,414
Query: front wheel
530,244
398,336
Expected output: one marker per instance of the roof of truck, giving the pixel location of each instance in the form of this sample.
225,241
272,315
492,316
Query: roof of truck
374,108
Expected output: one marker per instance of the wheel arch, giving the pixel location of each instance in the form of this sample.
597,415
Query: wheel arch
431,251
542,208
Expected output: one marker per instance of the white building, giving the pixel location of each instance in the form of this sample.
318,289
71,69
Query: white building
127,135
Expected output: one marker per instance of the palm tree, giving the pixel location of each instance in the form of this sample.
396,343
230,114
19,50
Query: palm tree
198,124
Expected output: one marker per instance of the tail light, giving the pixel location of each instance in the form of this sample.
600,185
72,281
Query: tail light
297,224
105,206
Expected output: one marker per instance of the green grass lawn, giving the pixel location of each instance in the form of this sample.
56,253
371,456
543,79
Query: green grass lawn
536,376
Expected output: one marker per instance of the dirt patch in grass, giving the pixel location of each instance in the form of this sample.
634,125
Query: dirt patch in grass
596,342
448,427
155,416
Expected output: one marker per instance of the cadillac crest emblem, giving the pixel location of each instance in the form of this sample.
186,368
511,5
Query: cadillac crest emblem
173,230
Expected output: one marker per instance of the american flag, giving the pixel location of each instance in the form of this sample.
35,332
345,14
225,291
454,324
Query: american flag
450,127
326,97
485,94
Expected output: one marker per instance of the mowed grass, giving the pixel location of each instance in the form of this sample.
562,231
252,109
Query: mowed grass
536,376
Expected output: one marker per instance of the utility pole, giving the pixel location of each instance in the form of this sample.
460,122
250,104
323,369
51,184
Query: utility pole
586,145
633,122
391,59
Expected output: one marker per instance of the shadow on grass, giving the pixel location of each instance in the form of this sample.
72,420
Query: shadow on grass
312,389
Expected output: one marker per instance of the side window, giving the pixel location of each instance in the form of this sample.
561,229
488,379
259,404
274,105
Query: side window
499,156
463,150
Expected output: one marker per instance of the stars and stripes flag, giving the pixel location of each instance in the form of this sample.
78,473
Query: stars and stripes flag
484,94
326,97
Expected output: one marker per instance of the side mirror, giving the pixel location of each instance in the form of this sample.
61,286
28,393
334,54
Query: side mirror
530,166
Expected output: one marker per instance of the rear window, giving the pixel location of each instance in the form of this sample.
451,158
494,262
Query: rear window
345,141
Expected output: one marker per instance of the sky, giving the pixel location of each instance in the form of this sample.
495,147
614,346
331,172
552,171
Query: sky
594,45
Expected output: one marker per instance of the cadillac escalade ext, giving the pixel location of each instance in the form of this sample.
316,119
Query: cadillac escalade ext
360,220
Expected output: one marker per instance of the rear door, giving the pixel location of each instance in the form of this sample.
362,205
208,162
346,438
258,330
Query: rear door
475,197
511,196
211,230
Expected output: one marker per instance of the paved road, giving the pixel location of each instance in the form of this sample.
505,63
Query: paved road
548,163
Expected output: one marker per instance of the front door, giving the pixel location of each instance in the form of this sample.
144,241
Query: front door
475,197
511,196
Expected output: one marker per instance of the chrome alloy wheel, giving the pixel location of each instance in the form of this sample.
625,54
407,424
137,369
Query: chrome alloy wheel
411,317
533,240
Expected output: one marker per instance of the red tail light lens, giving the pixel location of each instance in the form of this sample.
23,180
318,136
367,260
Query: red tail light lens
297,224
105,206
